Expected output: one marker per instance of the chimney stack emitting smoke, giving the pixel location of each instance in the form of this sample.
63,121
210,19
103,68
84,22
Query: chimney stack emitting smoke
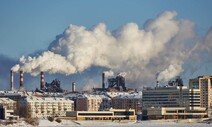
21,79
103,80
42,80
11,80
73,86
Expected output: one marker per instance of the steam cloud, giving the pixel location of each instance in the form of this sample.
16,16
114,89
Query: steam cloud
160,46
109,73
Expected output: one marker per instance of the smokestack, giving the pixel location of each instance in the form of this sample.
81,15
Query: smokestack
21,79
157,83
73,86
103,80
11,80
41,80
156,77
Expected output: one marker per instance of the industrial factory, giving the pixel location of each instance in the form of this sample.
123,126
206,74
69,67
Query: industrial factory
114,84
170,101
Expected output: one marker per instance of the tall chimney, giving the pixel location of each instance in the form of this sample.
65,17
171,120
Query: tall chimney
11,80
73,86
41,80
157,83
21,79
103,80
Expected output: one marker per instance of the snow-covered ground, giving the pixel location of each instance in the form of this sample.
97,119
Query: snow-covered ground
67,123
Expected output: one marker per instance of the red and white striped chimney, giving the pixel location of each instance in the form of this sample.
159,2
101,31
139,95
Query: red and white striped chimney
41,80
21,79
11,80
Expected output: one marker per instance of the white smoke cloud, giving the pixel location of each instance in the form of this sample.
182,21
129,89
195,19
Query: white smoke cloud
123,74
140,52
109,73
48,62
89,85
170,72
15,68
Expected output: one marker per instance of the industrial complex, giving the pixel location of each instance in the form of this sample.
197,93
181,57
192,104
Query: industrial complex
114,101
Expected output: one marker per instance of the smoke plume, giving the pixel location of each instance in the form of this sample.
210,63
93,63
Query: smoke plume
160,46
109,73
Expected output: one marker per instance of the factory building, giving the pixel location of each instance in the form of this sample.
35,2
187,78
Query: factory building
39,107
88,102
201,89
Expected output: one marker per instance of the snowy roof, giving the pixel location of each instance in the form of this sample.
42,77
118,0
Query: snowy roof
92,96
41,99
5,100
125,94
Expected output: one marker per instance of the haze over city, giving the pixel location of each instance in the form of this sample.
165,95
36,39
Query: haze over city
78,40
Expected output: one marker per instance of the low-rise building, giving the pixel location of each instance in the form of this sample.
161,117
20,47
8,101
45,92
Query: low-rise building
174,113
112,114
39,107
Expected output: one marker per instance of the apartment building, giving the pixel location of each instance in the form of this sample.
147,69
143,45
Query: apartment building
8,109
89,102
201,89
128,101
41,107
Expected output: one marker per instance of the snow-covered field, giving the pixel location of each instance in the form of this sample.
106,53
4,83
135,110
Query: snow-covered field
66,123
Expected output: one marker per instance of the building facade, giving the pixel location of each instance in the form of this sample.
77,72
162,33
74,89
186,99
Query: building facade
128,101
88,102
166,96
8,109
112,114
41,107
201,89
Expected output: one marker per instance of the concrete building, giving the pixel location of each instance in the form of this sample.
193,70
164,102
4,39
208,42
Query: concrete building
112,114
201,89
39,107
128,101
174,113
165,96
173,102
8,109
89,102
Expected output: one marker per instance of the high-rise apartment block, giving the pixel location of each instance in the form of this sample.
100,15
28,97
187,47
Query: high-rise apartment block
201,89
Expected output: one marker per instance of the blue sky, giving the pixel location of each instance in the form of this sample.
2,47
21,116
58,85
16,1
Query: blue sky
28,26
